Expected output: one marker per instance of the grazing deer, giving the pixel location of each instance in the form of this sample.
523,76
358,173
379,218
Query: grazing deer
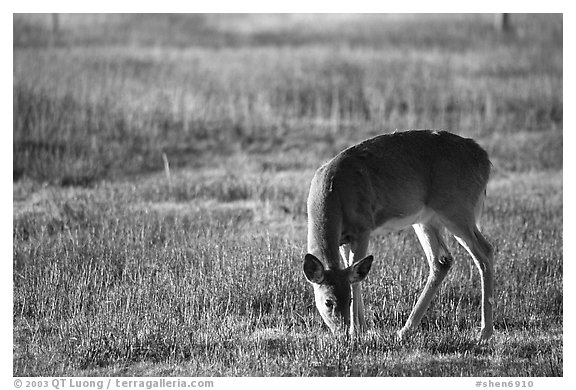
427,179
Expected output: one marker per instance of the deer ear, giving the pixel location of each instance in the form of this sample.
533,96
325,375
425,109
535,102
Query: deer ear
313,269
357,272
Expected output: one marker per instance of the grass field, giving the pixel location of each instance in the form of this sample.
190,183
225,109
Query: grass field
122,266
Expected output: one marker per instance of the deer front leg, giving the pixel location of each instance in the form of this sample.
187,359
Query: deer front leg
353,253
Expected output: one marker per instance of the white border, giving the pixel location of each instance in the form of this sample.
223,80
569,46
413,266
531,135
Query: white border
301,6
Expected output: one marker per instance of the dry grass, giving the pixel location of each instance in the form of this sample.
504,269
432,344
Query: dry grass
118,271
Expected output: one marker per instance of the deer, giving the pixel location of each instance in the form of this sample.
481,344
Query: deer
431,180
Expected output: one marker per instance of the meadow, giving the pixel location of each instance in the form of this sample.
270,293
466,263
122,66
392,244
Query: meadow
161,165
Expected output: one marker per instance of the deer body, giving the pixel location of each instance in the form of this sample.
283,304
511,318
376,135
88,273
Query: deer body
428,180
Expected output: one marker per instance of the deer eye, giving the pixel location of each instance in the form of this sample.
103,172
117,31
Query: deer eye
329,303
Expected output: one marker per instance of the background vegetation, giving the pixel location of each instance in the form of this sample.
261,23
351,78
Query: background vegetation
124,267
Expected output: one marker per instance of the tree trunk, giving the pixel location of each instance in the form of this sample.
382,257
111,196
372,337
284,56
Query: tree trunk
503,22
55,29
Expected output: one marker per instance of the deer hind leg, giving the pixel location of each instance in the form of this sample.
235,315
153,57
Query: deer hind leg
439,261
467,234
351,254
